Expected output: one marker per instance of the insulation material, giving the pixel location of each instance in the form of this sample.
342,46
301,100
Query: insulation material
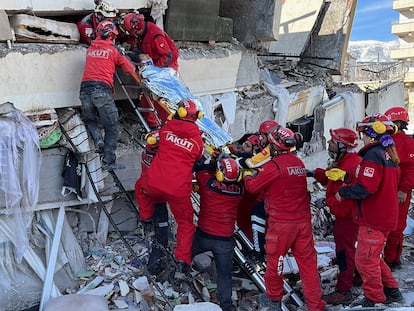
281,103
20,159
28,28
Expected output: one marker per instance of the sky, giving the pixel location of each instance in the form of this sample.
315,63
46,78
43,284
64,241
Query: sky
373,20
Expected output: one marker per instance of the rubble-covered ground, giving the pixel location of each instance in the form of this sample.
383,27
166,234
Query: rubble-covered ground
123,280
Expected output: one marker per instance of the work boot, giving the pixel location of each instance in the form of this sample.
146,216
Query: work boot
182,271
99,145
393,295
365,303
394,265
264,301
149,228
338,297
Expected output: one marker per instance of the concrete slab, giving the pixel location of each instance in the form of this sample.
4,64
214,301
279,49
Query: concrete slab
296,24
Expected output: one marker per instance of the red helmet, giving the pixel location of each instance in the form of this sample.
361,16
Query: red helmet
227,170
133,22
397,114
106,30
267,125
345,136
188,110
376,125
282,138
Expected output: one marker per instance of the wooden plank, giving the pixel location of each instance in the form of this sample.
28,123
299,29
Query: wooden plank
5,29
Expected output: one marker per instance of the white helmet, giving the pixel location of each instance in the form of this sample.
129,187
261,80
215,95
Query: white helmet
106,9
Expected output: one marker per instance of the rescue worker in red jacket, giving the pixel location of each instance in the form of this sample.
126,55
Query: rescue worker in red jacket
287,203
148,40
258,143
157,226
376,211
96,91
169,178
405,149
87,25
220,192
342,149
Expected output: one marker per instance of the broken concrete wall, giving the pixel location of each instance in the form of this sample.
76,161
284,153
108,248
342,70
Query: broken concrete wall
296,23
252,20
328,42
64,6
48,76
385,97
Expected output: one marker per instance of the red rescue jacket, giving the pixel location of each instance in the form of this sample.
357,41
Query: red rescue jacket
87,27
101,58
405,149
375,189
180,146
283,180
218,204
342,209
158,45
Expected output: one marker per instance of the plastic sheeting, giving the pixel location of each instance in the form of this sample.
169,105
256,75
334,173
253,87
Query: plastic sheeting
20,159
350,109
281,103
164,83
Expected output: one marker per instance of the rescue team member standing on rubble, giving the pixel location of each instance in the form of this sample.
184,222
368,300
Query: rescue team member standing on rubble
169,178
148,40
157,226
287,203
258,143
220,192
376,211
405,149
87,25
342,149
96,91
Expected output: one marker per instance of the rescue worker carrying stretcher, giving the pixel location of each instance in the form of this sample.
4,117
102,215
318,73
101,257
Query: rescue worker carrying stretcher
96,91
169,178
287,204
220,191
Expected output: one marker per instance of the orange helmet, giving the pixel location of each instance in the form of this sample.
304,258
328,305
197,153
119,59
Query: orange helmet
282,138
345,136
106,30
188,110
397,114
133,22
267,125
227,170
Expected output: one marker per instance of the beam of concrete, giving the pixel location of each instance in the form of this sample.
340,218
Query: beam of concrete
39,76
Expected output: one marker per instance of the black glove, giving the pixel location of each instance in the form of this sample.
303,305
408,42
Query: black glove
310,173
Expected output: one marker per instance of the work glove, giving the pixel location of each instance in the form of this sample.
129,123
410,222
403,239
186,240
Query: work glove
310,173
336,174
248,173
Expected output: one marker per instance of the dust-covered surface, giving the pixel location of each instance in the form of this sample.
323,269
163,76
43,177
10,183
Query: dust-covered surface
41,48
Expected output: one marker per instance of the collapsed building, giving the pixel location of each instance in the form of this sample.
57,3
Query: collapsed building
245,61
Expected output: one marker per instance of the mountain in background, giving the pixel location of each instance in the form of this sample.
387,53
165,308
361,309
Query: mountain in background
371,51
